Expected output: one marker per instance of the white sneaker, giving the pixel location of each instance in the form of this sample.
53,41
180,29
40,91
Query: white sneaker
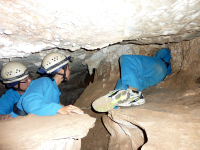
110,100
136,98
111,93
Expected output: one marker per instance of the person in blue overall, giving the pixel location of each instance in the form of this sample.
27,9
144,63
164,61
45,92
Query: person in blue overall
137,73
17,79
42,96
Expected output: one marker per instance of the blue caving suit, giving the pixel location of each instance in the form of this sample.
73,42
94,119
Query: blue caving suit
41,98
140,72
8,100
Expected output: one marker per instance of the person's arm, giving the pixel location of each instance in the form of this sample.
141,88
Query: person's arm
41,98
70,110
7,101
35,103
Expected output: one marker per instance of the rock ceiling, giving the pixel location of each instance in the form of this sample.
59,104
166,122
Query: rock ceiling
29,26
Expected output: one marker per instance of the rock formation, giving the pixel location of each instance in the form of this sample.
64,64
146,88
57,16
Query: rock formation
96,34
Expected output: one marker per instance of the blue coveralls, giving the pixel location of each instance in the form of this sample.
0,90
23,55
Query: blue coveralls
8,100
41,98
140,72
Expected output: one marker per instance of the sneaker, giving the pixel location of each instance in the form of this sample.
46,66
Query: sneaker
110,100
136,98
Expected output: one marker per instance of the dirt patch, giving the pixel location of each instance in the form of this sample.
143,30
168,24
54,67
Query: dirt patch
98,136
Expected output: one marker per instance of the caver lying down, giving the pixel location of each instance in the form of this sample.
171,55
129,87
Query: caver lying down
137,73
42,96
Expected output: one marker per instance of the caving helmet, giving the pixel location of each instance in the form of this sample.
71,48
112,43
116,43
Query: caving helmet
13,72
52,63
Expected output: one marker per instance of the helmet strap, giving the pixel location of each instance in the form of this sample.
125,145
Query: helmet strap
64,74
18,88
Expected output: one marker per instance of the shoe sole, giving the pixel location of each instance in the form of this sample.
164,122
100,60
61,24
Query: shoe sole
103,104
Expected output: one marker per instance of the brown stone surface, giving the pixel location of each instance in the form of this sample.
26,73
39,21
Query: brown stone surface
124,134
167,124
40,132
170,116
170,119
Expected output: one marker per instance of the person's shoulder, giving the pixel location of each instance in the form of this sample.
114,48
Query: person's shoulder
42,81
10,93
38,84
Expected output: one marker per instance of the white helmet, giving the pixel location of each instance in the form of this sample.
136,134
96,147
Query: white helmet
53,61
13,71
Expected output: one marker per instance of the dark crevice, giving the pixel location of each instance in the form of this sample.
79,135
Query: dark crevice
72,89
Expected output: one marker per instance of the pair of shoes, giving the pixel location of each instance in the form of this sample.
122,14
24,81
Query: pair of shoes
136,98
110,100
